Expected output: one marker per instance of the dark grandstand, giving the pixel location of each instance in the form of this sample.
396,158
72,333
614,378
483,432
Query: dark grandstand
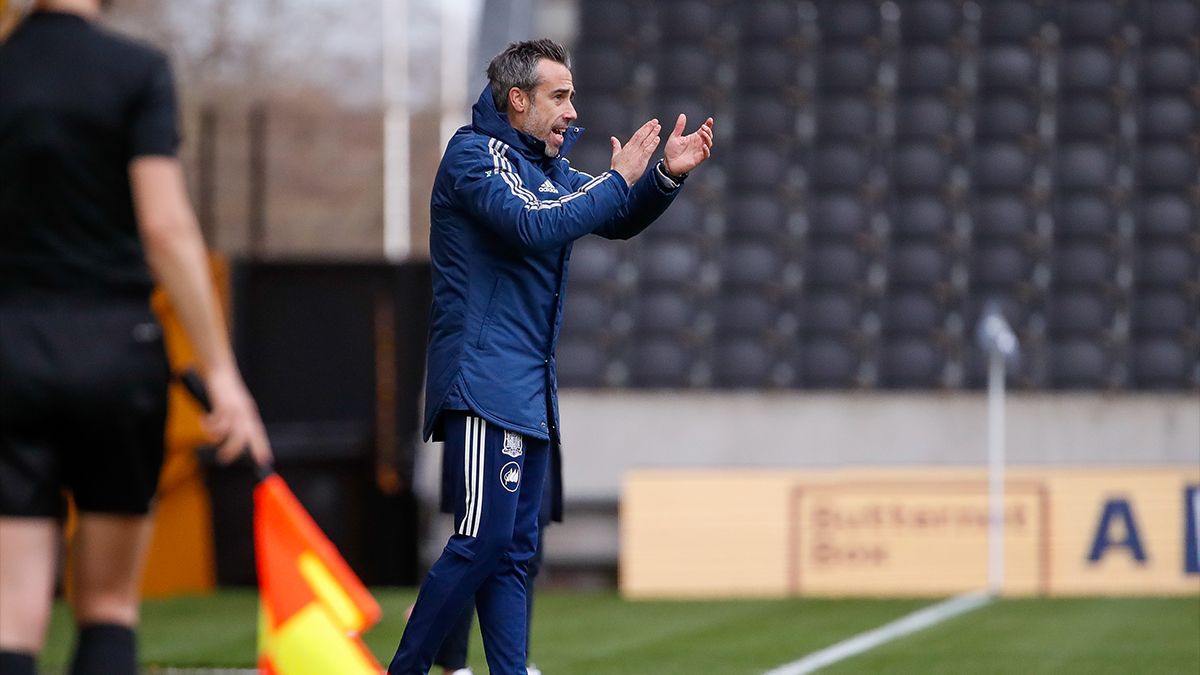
886,168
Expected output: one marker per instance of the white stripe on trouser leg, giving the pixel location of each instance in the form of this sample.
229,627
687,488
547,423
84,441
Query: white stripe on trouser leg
480,454
473,475
477,477
475,438
468,493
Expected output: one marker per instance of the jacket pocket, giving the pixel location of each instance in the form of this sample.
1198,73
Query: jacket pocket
489,315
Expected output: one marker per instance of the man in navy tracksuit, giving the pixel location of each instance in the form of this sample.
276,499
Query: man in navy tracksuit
506,208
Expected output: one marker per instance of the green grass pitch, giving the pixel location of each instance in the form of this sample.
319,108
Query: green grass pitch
597,633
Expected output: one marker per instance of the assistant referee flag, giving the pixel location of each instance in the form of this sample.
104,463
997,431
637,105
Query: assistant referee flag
312,607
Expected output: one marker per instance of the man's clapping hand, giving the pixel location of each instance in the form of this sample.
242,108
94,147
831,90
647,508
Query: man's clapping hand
631,159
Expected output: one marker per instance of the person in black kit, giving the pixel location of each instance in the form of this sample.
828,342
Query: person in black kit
93,206
452,657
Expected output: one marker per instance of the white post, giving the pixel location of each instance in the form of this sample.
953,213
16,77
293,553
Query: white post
996,462
397,235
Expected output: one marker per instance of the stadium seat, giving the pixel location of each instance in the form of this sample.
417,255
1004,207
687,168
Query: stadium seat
689,21
924,116
1003,216
756,214
1163,363
1009,66
1163,265
745,313
1166,165
665,312
1170,20
758,165
930,20
914,312
840,216
605,115
839,165
828,363
660,363
920,216
1080,312
602,68
1169,117
580,362
1000,264
767,68
833,313
767,118
588,312
609,21
686,67
1084,264
1006,114
1091,19
684,220
670,262
846,117
1000,165
1163,312
847,68
751,264
742,363
1086,166
928,67
835,264
848,19
1078,363
1082,116
1167,214
1010,20
594,262
911,363
919,166
917,263
770,21
1087,67
1083,215
1168,66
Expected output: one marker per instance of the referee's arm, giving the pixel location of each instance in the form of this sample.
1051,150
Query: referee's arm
176,254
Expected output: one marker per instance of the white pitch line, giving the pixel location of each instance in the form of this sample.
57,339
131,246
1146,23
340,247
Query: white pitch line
918,620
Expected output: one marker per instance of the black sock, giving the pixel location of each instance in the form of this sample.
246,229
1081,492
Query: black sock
17,663
105,649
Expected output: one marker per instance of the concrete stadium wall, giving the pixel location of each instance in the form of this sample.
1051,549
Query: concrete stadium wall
607,433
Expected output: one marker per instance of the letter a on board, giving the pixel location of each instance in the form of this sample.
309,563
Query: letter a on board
1117,509
1191,537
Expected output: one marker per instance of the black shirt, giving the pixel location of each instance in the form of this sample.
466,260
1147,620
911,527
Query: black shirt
77,103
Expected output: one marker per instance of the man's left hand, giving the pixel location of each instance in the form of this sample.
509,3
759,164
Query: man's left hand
684,153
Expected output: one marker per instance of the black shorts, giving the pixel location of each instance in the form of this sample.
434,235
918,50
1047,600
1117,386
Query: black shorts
83,405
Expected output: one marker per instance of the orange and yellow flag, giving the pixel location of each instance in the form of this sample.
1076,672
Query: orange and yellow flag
312,607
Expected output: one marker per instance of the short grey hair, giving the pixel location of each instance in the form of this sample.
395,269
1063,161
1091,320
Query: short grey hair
516,66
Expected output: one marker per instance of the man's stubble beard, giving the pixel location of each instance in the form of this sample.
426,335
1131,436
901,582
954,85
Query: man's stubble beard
549,151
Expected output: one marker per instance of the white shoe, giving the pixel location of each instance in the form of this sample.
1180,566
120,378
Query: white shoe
532,670
463,671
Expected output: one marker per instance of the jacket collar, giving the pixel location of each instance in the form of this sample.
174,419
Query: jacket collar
486,119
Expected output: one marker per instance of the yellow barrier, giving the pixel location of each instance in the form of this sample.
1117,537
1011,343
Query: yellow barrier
181,558
877,532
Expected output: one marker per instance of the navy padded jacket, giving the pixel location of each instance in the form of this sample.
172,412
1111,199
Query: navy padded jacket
503,218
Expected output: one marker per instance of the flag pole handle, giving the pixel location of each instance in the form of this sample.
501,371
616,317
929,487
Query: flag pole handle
191,381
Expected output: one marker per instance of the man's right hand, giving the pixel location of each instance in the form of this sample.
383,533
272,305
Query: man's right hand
630,161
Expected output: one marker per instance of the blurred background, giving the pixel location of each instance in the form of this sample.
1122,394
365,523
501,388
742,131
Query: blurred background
882,169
